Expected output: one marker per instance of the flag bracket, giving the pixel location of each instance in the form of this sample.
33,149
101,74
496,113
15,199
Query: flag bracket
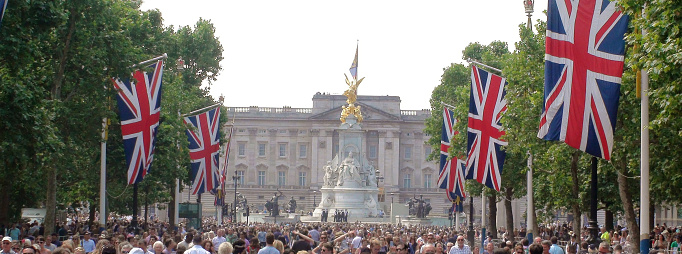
448,105
143,63
484,65
220,102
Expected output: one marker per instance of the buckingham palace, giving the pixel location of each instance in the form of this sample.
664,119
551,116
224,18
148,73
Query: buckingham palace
286,149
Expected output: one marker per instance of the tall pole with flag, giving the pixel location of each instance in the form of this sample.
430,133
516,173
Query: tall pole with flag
485,157
585,51
354,66
203,135
139,104
223,174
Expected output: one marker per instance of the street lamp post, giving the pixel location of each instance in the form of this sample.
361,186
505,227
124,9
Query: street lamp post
234,204
528,5
314,199
530,217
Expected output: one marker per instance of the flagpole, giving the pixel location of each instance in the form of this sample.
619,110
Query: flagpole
103,176
484,65
530,212
644,241
483,219
143,63
448,105
202,109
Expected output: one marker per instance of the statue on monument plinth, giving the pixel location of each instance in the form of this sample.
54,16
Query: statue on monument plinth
291,207
418,207
352,96
272,205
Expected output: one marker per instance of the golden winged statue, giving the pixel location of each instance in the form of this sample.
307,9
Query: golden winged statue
352,95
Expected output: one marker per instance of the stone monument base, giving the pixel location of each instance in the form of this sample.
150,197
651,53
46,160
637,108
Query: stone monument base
413,221
287,218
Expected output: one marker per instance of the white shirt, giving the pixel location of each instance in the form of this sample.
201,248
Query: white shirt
197,249
356,242
217,241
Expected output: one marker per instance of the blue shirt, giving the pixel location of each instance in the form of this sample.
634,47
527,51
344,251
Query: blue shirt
88,245
555,249
268,250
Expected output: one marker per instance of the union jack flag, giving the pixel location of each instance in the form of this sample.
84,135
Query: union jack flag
204,143
583,68
486,105
451,176
223,171
3,6
139,106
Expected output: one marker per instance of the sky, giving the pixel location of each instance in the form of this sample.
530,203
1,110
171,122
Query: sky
280,53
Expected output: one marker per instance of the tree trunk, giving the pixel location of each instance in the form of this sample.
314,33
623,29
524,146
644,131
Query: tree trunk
91,218
626,198
510,214
51,200
171,208
575,193
492,207
608,219
5,189
652,212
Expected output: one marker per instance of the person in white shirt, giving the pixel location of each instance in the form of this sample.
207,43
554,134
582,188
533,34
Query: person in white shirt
357,241
197,248
219,239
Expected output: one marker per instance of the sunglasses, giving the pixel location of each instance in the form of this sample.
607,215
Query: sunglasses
399,249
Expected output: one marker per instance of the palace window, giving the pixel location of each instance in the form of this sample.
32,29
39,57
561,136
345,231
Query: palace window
283,150
427,181
282,178
261,178
241,149
240,174
302,151
261,149
407,181
301,178
408,152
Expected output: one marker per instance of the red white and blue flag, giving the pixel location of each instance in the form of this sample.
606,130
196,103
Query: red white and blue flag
223,171
204,145
139,104
3,6
485,156
220,193
583,69
451,177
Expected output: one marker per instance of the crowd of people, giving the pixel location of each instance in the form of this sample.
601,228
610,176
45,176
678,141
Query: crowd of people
118,237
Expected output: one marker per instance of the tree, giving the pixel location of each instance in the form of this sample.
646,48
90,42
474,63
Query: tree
56,59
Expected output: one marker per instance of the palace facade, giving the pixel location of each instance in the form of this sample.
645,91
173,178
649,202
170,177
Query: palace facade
286,149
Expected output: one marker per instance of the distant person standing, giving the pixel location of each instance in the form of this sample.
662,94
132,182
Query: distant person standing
87,243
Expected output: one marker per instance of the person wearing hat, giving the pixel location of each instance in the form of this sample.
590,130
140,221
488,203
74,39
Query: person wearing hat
7,246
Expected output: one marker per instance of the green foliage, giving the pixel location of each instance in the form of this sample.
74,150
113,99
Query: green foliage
56,63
